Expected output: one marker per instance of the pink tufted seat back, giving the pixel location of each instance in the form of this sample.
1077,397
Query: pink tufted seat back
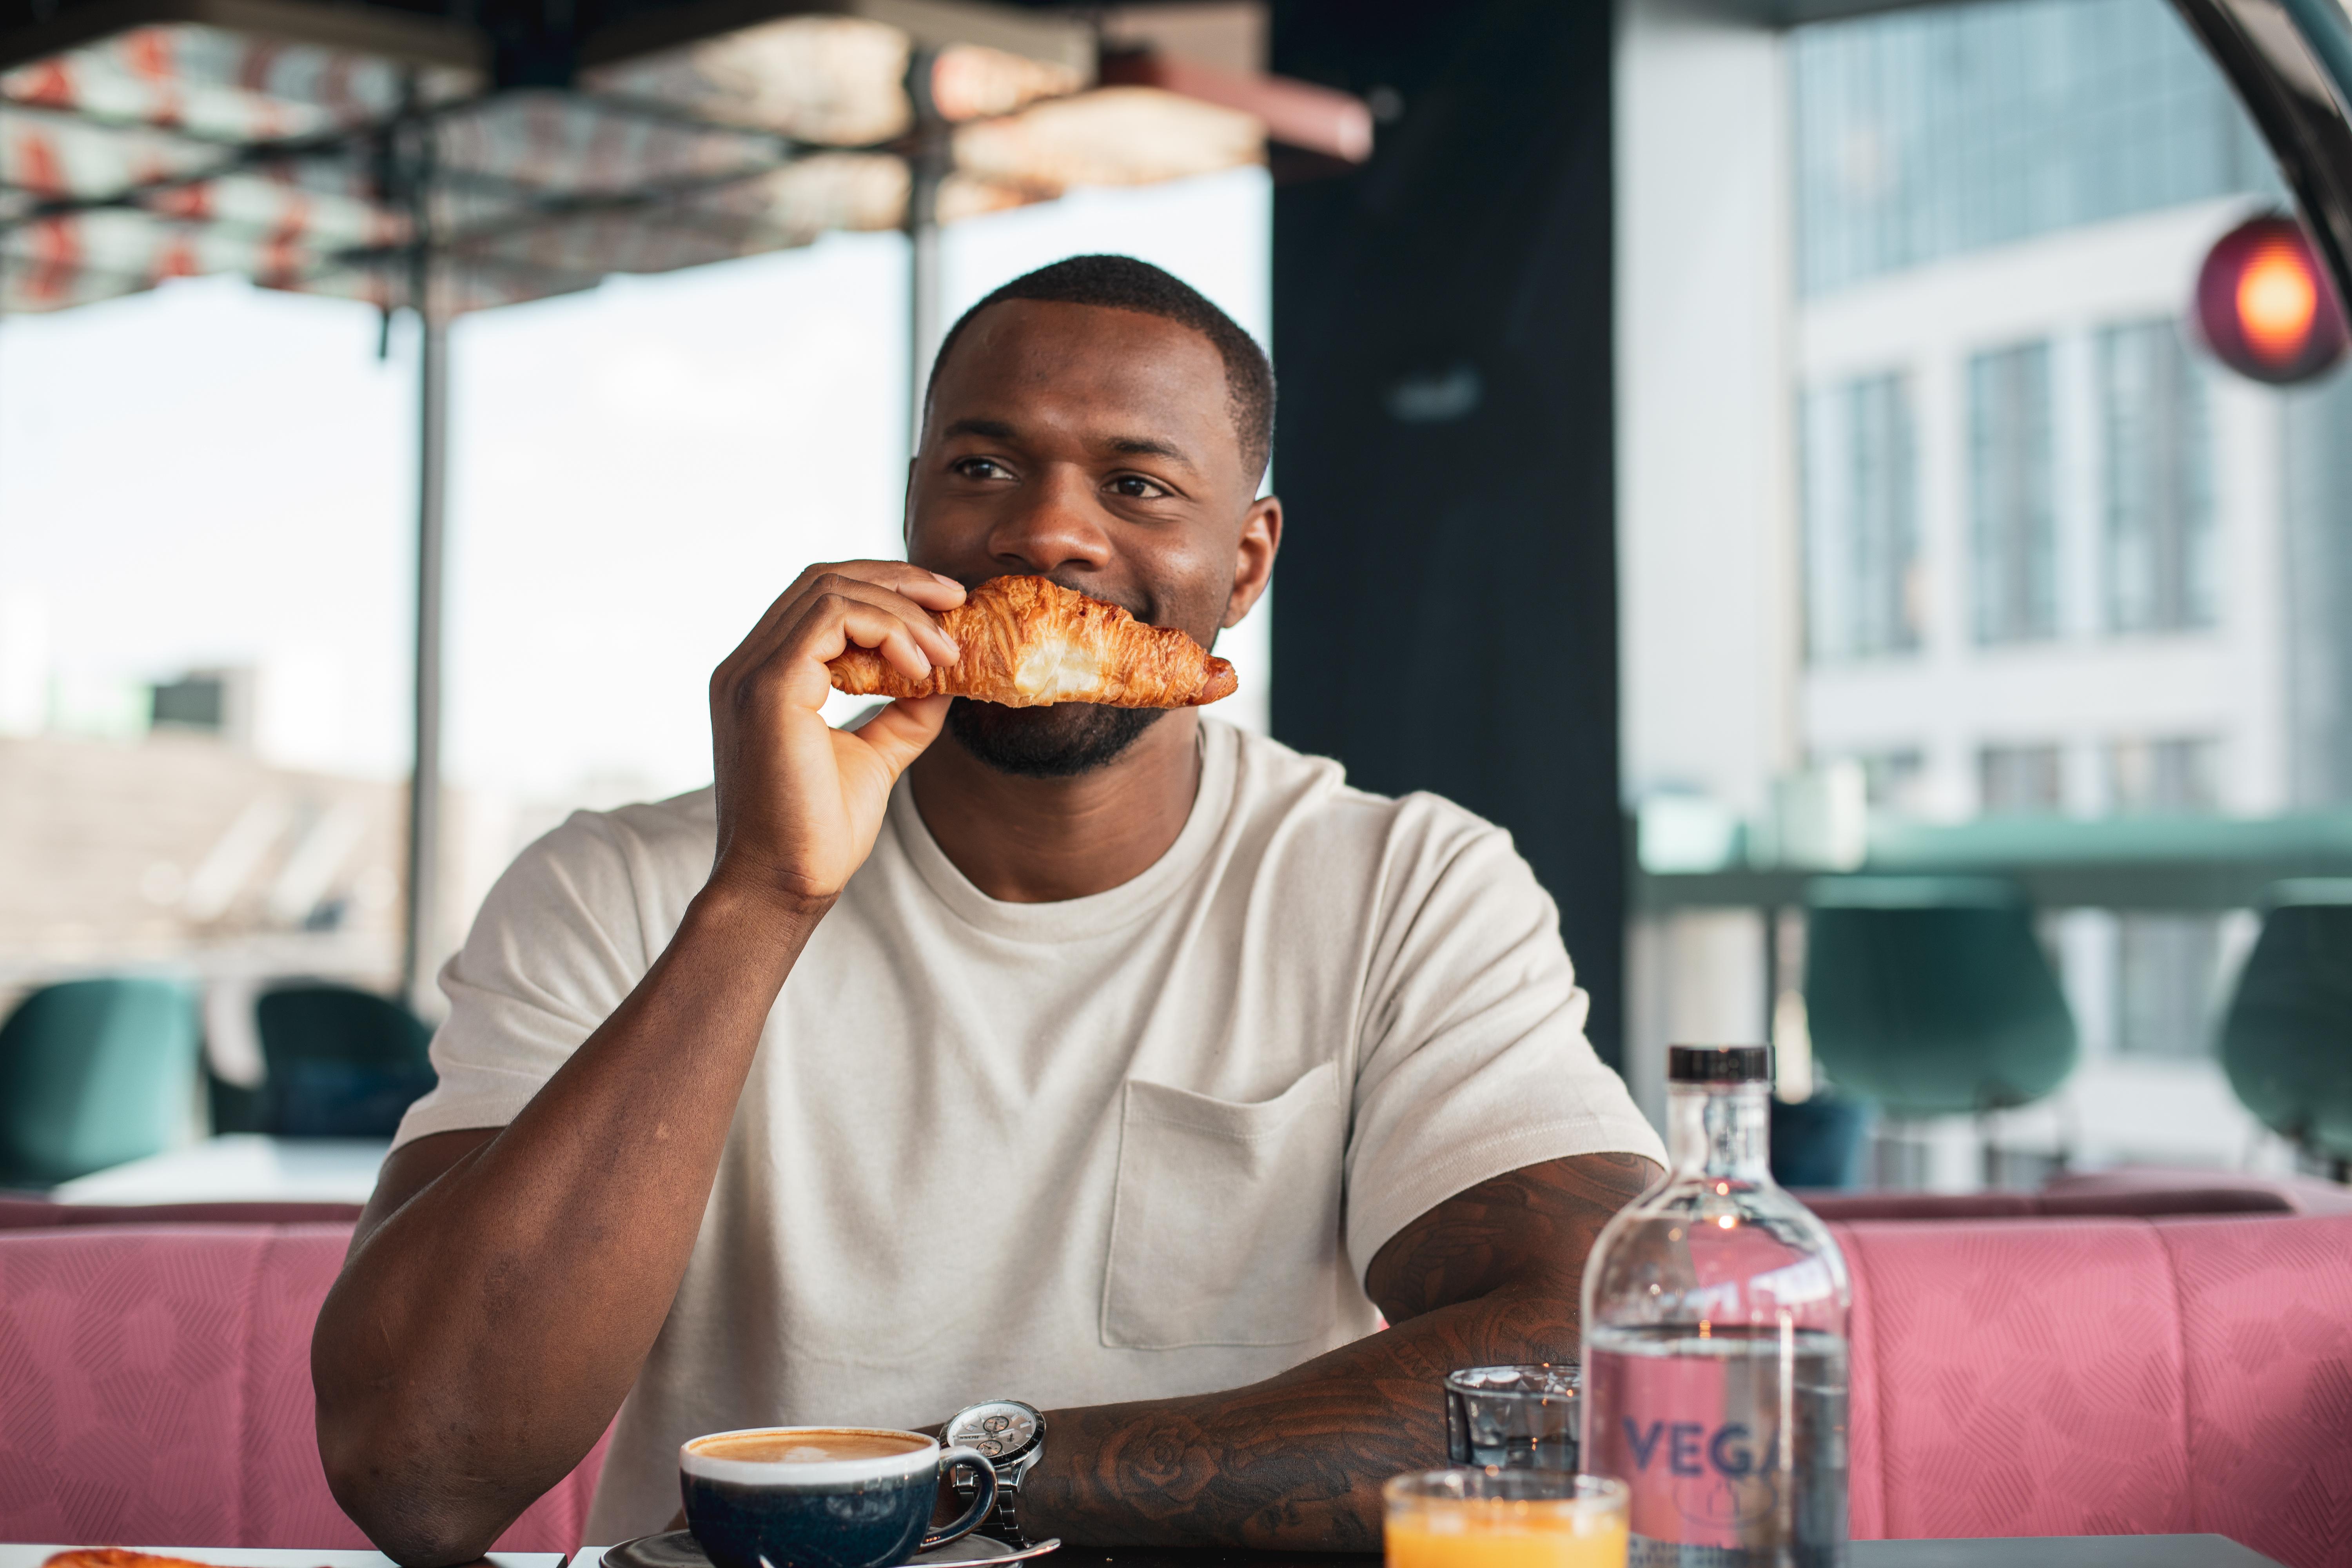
155,1391
2010,1377
2105,1376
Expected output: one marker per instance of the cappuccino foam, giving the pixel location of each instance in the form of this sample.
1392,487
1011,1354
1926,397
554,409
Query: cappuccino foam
808,1445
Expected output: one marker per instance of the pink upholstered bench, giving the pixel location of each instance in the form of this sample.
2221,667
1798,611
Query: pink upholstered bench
2105,1377
40,1214
2010,1377
155,1389
2145,1191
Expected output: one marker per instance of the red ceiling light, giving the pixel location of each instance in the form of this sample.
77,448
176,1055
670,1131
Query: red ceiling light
2264,304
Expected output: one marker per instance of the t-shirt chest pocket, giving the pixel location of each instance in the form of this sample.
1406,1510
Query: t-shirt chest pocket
1226,1227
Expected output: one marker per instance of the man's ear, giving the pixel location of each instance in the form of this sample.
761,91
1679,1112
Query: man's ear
1254,557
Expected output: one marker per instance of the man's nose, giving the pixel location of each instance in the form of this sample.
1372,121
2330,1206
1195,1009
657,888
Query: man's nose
1052,523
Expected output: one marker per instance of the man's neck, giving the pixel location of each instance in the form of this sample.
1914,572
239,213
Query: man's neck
1035,841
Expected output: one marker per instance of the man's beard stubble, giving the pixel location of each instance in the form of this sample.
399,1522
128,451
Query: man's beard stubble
1059,742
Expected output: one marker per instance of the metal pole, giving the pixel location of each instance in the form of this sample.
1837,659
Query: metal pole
927,170
419,947
425,781
922,292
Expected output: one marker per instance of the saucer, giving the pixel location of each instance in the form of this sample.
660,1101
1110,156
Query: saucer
678,1549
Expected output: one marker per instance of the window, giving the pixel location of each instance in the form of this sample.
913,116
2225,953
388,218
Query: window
1891,780
2315,566
2163,776
1862,534
1928,133
2125,579
2012,513
2017,780
2165,966
2165,963
2157,464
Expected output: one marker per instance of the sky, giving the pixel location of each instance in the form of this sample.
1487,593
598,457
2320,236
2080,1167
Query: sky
215,475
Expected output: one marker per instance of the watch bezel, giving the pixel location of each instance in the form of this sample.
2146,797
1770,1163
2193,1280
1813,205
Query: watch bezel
1036,1430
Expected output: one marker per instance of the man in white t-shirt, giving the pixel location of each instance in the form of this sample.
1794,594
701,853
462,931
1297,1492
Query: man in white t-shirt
1109,1061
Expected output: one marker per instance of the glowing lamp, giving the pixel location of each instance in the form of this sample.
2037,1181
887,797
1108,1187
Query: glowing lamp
2264,305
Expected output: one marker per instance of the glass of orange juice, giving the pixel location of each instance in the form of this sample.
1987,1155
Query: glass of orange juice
1504,1519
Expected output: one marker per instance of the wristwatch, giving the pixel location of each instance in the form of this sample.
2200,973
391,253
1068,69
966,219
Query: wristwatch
1012,1435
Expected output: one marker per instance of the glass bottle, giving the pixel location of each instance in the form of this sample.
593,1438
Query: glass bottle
1715,1342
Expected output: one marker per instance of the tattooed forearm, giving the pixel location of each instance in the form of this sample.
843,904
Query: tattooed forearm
1296,1461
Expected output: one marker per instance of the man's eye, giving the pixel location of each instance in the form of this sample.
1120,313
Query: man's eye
1136,485
980,468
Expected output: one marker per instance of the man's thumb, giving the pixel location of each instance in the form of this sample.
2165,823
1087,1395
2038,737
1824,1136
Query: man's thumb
900,732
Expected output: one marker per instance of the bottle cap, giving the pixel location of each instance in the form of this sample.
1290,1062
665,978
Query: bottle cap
1719,1064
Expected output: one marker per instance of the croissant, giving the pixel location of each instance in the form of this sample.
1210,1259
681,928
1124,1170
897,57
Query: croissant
114,1557
1028,642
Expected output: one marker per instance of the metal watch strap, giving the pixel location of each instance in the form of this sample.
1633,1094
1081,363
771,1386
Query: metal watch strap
1005,1519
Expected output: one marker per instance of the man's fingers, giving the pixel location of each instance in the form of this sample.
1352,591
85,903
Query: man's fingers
836,593
909,590
930,589
900,732
880,582
928,633
835,622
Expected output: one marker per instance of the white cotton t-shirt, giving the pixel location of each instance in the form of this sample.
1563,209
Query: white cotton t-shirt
1134,1145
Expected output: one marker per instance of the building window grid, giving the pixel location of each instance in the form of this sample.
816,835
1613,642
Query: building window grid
2157,544
2021,780
2170,777
2165,962
1861,505
1923,134
2012,500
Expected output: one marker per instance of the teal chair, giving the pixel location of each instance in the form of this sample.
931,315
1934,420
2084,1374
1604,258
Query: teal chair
1931,996
94,1073
339,1063
2286,1040
1817,1143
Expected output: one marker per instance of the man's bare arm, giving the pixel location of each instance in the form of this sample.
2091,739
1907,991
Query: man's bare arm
1487,1277
504,1289
484,1330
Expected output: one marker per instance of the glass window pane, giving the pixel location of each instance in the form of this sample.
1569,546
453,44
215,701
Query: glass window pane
2020,780
1862,533
2157,468
1928,133
2012,501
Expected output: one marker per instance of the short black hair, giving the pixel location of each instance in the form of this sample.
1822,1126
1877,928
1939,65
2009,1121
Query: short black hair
1123,283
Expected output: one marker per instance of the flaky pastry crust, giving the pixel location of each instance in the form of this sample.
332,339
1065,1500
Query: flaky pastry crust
115,1557
1028,642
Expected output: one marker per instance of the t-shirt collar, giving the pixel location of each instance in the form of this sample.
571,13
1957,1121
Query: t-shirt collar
1067,919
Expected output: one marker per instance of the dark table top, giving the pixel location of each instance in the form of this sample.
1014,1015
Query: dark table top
1992,1551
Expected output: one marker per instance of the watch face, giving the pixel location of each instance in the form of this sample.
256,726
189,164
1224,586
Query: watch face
999,1430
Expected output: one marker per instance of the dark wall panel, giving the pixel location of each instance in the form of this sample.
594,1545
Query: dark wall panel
1446,600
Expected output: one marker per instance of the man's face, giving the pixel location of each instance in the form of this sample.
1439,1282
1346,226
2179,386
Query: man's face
1095,448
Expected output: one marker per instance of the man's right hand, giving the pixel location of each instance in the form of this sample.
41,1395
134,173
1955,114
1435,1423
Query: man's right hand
799,802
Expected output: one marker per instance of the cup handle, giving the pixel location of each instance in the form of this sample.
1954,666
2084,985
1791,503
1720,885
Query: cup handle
983,1499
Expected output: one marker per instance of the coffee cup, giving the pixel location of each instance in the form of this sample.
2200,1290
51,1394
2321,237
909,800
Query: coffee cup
822,1497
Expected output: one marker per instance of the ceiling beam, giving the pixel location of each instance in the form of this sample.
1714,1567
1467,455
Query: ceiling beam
1063,41
403,36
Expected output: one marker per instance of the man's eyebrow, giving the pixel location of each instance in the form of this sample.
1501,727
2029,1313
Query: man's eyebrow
1127,446
994,429
1146,446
